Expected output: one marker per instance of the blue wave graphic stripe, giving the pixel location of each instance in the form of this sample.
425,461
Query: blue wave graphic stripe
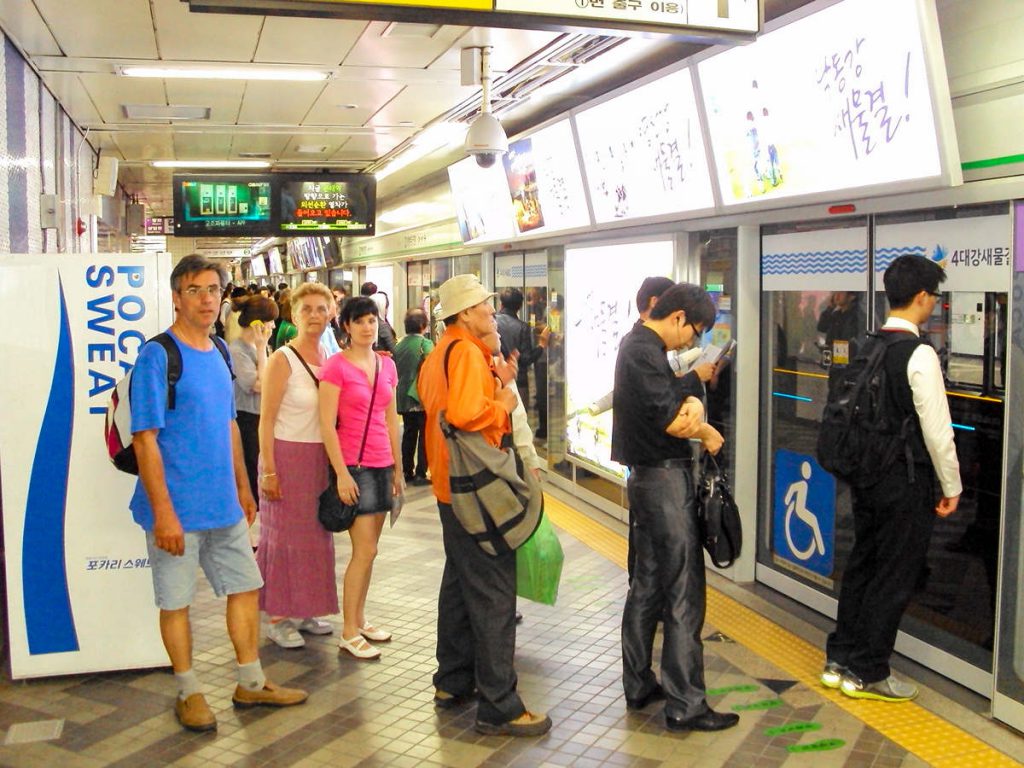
48,618
843,261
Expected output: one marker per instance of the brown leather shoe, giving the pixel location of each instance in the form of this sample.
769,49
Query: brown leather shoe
270,695
194,714
527,724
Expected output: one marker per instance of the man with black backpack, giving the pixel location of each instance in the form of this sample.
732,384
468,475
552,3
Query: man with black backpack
193,497
906,434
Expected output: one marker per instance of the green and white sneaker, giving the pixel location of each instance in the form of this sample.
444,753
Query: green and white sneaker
890,689
832,675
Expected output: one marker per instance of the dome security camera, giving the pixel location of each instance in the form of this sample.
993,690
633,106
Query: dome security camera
486,140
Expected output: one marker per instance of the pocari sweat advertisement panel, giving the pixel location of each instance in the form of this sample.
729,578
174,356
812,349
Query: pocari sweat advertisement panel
79,589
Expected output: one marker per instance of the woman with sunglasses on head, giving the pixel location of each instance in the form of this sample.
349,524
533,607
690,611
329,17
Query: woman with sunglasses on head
296,553
359,424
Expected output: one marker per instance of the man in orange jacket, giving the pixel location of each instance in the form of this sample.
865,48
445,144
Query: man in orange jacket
476,631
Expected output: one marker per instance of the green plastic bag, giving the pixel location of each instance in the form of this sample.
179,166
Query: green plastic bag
539,565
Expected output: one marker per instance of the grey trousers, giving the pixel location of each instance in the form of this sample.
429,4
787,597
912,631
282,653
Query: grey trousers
476,625
668,582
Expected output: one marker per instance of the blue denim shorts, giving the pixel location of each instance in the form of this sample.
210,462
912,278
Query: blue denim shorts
375,488
225,556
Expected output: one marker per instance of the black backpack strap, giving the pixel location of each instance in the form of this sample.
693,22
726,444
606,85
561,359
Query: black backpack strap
222,347
447,354
173,365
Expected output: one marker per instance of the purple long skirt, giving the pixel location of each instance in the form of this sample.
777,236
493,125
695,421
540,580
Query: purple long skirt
296,553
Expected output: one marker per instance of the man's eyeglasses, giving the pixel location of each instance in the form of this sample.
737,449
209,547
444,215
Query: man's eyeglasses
936,294
199,290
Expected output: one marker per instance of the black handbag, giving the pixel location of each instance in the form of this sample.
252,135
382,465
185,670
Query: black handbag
721,531
335,515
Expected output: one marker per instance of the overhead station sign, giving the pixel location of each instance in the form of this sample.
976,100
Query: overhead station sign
721,20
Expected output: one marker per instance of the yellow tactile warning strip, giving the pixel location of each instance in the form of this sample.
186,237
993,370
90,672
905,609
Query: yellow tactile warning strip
926,735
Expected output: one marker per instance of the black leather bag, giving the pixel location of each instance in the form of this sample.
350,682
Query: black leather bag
333,514
718,516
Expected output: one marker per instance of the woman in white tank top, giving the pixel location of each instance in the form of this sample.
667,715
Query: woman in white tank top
296,553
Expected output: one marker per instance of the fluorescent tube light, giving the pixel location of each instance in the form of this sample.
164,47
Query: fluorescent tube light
225,73
210,164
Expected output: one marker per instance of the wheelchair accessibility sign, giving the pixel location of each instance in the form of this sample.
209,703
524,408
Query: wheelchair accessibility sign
803,515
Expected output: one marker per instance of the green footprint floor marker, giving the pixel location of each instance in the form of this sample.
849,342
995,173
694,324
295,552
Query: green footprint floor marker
822,745
748,688
763,704
792,728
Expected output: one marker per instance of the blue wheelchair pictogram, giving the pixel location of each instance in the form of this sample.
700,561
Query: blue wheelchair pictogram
803,513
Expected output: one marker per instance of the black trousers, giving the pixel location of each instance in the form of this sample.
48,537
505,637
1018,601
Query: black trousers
892,524
668,582
249,428
476,625
414,443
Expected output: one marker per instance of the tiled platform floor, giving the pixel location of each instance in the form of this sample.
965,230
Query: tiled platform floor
380,713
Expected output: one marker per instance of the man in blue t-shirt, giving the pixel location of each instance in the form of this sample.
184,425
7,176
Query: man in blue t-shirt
193,497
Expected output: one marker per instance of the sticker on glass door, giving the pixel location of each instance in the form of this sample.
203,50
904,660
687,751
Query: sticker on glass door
803,515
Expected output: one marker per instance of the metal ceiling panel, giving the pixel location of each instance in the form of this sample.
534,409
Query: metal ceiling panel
329,144
144,147
368,96
270,103
370,147
258,143
22,22
202,146
107,28
290,40
109,92
186,36
374,49
419,104
67,88
224,97
508,46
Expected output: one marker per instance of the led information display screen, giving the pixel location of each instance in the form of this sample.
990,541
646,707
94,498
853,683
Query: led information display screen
837,100
643,152
222,205
337,203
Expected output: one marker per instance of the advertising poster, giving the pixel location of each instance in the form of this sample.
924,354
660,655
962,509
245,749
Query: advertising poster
482,203
643,152
975,252
600,308
545,182
79,588
837,100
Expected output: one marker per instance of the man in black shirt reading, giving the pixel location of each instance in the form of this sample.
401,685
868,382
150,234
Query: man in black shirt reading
654,416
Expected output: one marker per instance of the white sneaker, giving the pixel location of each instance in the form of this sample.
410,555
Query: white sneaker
359,648
284,634
371,632
315,626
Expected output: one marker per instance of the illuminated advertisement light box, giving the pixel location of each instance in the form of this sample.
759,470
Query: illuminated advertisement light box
545,182
276,264
211,206
259,266
643,152
482,203
836,100
601,284
324,204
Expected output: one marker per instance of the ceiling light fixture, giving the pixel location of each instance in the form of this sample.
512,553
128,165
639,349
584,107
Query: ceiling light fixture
210,164
433,138
226,73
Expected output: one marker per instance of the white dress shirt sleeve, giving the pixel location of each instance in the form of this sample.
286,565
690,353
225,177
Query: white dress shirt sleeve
929,391
522,435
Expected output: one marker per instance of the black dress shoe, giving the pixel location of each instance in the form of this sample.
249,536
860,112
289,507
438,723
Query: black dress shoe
707,721
657,693
519,617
